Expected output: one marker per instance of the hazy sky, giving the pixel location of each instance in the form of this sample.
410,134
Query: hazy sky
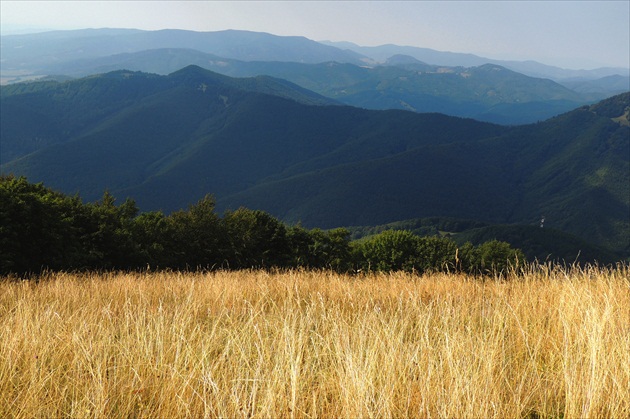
570,34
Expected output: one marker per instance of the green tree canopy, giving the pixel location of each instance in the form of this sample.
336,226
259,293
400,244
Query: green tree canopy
256,239
43,229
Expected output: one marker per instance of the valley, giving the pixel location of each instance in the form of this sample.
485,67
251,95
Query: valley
276,132
314,209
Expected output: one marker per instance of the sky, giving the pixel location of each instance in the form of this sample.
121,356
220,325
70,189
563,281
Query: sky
569,34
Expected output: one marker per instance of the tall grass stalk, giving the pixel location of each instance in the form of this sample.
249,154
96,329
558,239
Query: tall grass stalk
548,343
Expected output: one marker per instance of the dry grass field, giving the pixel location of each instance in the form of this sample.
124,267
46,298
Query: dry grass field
550,343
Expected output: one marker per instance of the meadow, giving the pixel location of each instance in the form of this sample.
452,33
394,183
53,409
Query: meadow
551,342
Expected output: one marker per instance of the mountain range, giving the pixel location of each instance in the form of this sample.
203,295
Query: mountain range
35,52
385,77
265,143
531,68
489,92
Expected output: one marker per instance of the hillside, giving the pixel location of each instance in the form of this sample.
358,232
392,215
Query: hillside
487,92
536,242
542,244
169,140
610,84
37,115
573,169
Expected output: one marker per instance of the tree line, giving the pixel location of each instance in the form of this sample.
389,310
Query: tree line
42,229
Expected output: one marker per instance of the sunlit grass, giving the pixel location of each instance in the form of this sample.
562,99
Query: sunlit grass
550,343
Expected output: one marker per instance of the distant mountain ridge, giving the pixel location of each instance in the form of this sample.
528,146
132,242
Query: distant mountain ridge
35,52
384,77
454,59
487,92
167,141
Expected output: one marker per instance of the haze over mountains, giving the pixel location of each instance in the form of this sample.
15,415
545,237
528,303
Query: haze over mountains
37,51
282,138
386,77
531,68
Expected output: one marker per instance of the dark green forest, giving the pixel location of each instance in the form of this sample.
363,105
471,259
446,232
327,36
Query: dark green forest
261,143
537,243
42,230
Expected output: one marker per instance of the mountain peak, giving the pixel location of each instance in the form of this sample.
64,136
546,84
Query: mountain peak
199,76
195,70
492,67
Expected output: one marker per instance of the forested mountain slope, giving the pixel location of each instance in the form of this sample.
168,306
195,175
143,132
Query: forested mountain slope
36,115
573,169
487,92
166,141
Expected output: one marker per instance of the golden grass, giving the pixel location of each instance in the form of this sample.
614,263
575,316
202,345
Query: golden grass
552,343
